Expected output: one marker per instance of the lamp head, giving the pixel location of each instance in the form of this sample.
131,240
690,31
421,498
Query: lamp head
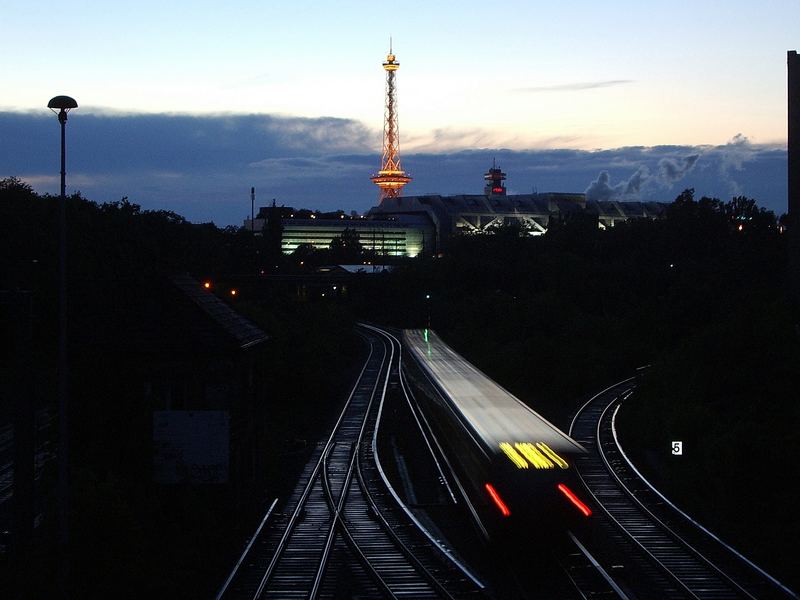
61,105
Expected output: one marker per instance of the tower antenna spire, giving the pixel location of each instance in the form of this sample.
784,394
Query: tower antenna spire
391,178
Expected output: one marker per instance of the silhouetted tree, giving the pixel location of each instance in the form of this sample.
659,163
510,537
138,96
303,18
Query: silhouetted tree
13,186
747,216
346,247
513,228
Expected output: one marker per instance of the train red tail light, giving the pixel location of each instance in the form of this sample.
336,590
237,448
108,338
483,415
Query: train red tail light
574,499
497,500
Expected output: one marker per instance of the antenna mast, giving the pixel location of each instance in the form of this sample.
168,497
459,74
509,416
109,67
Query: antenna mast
391,178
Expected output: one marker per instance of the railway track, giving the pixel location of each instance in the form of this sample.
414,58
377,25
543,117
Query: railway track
342,533
655,550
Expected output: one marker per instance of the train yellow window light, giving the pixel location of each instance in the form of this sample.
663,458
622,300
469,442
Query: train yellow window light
513,455
552,454
534,455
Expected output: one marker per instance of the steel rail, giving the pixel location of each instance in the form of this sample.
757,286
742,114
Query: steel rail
370,403
225,585
663,525
592,399
329,496
681,585
443,550
417,414
408,394
475,517
422,569
597,567
777,584
339,521
695,572
351,469
392,539
312,480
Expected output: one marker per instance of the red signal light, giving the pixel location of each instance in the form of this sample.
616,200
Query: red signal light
497,500
574,499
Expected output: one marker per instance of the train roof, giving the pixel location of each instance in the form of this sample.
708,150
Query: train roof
493,413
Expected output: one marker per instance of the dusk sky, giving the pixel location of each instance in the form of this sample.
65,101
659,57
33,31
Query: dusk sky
184,106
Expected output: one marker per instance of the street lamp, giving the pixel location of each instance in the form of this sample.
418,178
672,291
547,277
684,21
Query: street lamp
61,105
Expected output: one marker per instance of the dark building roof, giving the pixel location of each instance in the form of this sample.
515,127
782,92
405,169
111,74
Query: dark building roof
510,205
235,325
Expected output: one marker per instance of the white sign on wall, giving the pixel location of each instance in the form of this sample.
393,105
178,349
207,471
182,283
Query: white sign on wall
190,446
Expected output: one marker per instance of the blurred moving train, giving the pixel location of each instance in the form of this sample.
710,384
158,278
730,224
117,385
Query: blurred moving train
515,467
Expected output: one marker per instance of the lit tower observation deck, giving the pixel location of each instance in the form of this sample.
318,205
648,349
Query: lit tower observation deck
494,181
391,178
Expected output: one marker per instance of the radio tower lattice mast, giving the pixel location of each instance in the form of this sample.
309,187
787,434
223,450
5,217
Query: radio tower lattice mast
391,178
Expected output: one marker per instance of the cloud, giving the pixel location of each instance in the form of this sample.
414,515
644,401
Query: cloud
601,189
574,87
203,166
670,170
448,139
332,167
185,143
733,156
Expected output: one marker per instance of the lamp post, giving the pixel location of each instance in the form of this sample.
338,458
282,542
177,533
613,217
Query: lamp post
61,105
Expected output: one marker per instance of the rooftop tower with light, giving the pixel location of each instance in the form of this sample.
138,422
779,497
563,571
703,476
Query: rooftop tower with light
494,181
391,178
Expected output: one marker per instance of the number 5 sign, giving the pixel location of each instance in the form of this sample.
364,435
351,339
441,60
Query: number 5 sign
677,448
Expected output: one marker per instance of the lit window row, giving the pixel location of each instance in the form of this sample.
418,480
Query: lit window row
539,455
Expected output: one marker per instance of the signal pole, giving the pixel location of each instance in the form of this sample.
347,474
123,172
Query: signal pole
252,209
793,101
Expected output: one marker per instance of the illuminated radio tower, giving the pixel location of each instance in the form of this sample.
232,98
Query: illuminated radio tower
391,178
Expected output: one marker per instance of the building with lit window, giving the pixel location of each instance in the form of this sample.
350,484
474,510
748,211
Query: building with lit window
392,235
481,213
410,225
